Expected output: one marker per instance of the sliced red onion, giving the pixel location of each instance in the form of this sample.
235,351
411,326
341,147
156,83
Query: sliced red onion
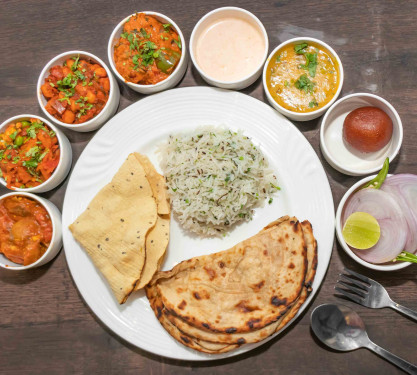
383,207
403,187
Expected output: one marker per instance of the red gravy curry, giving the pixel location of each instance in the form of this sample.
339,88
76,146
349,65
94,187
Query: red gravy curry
148,51
25,229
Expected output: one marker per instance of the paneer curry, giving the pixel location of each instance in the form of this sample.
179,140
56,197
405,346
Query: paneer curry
302,77
29,153
77,91
25,229
148,51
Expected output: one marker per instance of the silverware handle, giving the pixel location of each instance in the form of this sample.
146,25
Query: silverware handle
404,310
397,361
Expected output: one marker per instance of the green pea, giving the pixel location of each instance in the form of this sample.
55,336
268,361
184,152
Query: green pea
25,124
18,141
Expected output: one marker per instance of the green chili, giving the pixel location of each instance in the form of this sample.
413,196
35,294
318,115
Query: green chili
377,182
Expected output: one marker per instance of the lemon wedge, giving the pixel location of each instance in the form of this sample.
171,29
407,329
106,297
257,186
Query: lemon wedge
361,231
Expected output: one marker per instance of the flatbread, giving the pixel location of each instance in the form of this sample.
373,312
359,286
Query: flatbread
219,342
241,289
113,228
260,334
157,183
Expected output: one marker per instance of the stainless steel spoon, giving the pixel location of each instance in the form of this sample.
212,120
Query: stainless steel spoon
341,328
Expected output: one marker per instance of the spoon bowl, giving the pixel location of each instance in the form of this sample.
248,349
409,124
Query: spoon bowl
341,328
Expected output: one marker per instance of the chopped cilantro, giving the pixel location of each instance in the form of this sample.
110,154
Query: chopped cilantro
304,83
178,42
144,33
166,26
31,131
13,135
299,48
311,63
75,65
313,103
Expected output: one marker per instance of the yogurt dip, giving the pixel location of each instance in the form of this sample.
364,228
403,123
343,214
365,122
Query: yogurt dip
229,49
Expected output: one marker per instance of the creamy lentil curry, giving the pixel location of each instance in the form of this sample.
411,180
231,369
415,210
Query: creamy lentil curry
302,77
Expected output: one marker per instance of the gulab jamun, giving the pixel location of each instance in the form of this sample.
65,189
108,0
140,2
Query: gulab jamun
367,129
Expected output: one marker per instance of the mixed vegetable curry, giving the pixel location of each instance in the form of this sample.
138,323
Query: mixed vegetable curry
25,229
29,153
76,91
302,77
148,50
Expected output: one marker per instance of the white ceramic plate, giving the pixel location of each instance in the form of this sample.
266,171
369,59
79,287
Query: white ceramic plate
142,127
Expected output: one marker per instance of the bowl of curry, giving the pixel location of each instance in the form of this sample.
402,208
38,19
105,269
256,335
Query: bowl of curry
147,52
35,156
76,90
302,78
30,231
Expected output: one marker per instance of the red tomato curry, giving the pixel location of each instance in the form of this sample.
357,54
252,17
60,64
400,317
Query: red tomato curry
25,229
29,153
76,91
148,51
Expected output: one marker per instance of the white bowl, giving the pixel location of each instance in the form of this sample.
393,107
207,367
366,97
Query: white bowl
109,109
167,83
56,242
65,158
343,157
298,116
378,267
222,13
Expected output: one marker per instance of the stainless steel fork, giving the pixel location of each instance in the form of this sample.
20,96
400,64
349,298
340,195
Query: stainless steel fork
368,292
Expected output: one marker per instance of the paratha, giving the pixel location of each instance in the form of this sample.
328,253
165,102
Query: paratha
246,287
219,342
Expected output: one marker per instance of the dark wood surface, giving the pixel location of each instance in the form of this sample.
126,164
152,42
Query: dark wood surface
45,327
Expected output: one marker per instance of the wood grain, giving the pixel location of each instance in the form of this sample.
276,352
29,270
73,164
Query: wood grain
45,328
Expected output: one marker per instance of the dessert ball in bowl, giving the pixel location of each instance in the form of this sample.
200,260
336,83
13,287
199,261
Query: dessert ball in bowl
359,132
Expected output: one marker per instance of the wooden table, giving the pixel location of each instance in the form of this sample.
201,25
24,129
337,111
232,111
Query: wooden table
44,325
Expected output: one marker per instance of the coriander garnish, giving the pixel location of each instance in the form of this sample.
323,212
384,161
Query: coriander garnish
304,83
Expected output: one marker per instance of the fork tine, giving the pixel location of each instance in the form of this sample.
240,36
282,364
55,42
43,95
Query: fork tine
358,275
351,280
361,292
351,296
